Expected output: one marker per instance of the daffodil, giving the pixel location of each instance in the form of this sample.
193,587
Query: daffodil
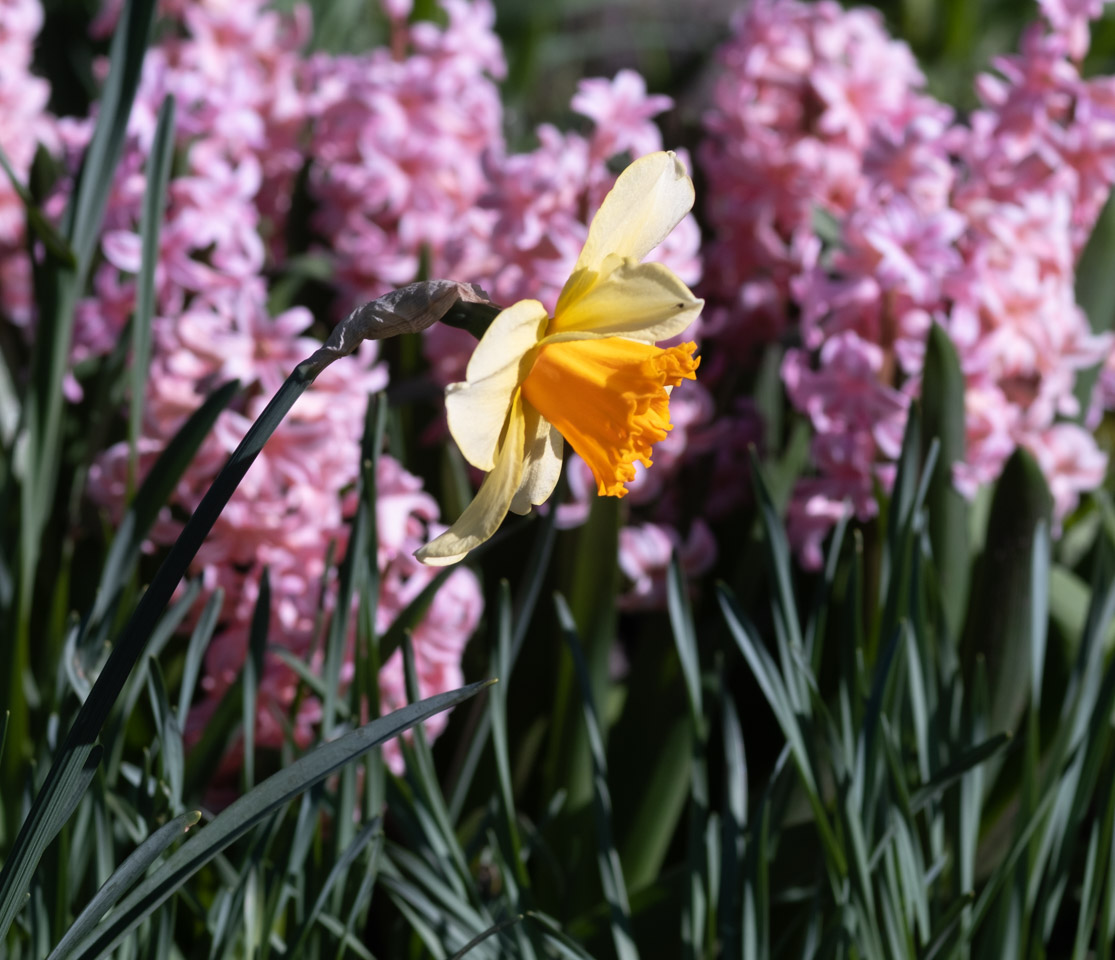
590,374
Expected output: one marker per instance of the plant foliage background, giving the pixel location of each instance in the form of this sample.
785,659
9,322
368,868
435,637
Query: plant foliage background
834,680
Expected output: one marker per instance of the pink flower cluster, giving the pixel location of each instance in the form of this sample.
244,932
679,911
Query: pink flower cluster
247,101
24,124
974,226
400,134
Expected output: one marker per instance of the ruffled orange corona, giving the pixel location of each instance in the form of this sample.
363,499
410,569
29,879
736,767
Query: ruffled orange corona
591,374
609,399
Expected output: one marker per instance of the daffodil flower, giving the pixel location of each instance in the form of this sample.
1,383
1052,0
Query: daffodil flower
590,374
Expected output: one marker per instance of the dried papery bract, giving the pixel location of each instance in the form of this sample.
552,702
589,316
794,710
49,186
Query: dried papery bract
410,309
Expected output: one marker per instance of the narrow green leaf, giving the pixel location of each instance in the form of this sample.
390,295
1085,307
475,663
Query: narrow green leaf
784,604
195,652
949,774
685,639
337,874
98,166
66,782
733,822
123,878
28,846
253,673
170,734
1039,610
1000,627
611,873
497,712
942,407
152,496
150,226
774,689
1095,292
253,807
364,892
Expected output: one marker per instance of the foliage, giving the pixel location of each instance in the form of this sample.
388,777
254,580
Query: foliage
907,753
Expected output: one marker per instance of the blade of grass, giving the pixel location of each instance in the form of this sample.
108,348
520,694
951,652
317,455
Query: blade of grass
497,711
253,674
253,807
337,874
766,673
150,225
611,873
172,752
123,878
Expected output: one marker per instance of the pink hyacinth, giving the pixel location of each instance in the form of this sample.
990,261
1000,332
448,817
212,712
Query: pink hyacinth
976,227
246,99
399,139
645,552
24,124
803,87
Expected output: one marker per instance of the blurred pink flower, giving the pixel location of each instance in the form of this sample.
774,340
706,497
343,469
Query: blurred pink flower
645,551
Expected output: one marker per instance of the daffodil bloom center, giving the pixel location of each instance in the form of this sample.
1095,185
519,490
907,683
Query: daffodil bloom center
608,397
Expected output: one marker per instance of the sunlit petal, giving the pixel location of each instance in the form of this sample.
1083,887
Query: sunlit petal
483,516
477,409
513,332
649,199
542,467
640,301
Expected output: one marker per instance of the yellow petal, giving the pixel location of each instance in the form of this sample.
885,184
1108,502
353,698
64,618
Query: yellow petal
542,466
649,199
483,516
640,301
477,409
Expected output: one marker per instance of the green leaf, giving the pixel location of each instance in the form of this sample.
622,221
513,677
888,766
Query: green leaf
497,713
54,242
337,874
942,408
123,878
152,496
252,808
1095,292
1000,626
77,748
951,772
253,673
195,652
170,734
607,859
151,220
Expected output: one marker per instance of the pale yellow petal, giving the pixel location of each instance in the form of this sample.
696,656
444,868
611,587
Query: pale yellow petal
477,413
542,466
483,516
649,199
639,301
513,332
478,408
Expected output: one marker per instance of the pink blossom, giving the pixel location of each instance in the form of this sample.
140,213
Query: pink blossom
644,557
1070,18
976,227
